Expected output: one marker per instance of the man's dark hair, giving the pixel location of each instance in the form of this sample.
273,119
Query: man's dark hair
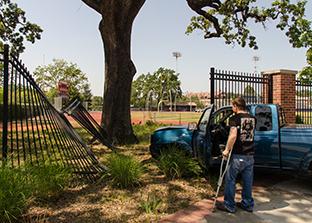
240,103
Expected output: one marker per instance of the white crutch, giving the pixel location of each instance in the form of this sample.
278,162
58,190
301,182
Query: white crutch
222,173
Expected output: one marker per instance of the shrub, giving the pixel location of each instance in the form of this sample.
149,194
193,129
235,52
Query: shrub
143,132
123,171
14,192
176,163
151,204
48,179
299,119
150,123
17,185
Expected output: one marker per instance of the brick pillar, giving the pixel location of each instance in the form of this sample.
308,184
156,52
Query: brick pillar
284,91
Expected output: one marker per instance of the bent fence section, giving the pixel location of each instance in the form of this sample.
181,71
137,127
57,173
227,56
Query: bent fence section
33,131
76,110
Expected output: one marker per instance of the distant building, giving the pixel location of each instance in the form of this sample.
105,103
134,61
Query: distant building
181,106
204,96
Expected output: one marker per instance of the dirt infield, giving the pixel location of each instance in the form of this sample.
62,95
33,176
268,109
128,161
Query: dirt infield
137,117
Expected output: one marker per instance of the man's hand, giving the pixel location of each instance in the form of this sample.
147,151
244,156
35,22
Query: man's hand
225,153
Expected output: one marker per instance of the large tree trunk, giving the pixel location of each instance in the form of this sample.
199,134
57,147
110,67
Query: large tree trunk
119,72
115,28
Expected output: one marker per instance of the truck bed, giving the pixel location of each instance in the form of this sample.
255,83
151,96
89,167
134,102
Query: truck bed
295,145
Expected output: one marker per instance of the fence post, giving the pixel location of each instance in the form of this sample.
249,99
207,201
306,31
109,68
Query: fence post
212,72
5,102
270,93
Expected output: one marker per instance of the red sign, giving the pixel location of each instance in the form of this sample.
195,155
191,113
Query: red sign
62,88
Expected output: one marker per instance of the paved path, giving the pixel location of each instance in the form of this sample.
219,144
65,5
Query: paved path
276,201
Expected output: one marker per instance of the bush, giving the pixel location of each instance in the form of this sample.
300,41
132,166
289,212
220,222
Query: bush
299,119
18,185
48,179
14,192
150,123
123,171
176,163
151,204
143,132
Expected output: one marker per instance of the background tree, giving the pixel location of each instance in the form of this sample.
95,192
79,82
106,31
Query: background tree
150,89
305,76
249,91
167,85
14,27
140,89
47,77
193,98
227,19
96,103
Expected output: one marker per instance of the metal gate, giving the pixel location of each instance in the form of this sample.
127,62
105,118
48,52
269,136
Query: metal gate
303,102
226,85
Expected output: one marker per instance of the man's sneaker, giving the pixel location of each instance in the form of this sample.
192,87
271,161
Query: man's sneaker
239,204
221,207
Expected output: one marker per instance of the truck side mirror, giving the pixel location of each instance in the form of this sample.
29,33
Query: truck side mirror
191,126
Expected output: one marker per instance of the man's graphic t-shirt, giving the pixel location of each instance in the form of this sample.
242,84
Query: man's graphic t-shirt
245,124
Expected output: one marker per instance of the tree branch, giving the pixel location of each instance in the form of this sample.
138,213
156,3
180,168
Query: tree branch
198,5
94,4
134,9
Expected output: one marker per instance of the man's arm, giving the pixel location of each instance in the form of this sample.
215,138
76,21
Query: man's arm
230,142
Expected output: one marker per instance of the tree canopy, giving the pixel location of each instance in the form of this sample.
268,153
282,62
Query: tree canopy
306,74
230,19
250,91
15,28
150,89
47,77
96,103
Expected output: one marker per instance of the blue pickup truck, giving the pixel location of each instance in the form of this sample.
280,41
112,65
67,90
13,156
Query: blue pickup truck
277,144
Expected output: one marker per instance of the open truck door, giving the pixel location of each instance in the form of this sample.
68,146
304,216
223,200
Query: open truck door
201,137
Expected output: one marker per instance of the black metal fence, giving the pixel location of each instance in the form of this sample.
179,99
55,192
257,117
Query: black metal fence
226,85
76,110
33,131
303,102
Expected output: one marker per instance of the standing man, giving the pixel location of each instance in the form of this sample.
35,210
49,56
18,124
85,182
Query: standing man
241,141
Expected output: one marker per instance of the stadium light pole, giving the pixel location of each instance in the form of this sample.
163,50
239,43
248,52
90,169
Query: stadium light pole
255,60
177,55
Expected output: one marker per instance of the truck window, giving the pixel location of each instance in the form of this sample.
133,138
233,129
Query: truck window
264,118
282,118
202,126
222,116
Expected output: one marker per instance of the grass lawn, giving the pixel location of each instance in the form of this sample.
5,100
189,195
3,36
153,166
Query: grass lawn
100,202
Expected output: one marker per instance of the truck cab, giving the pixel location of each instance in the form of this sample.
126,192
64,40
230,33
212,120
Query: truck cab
278,145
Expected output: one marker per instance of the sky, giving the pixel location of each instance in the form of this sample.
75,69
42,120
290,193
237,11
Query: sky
71,33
